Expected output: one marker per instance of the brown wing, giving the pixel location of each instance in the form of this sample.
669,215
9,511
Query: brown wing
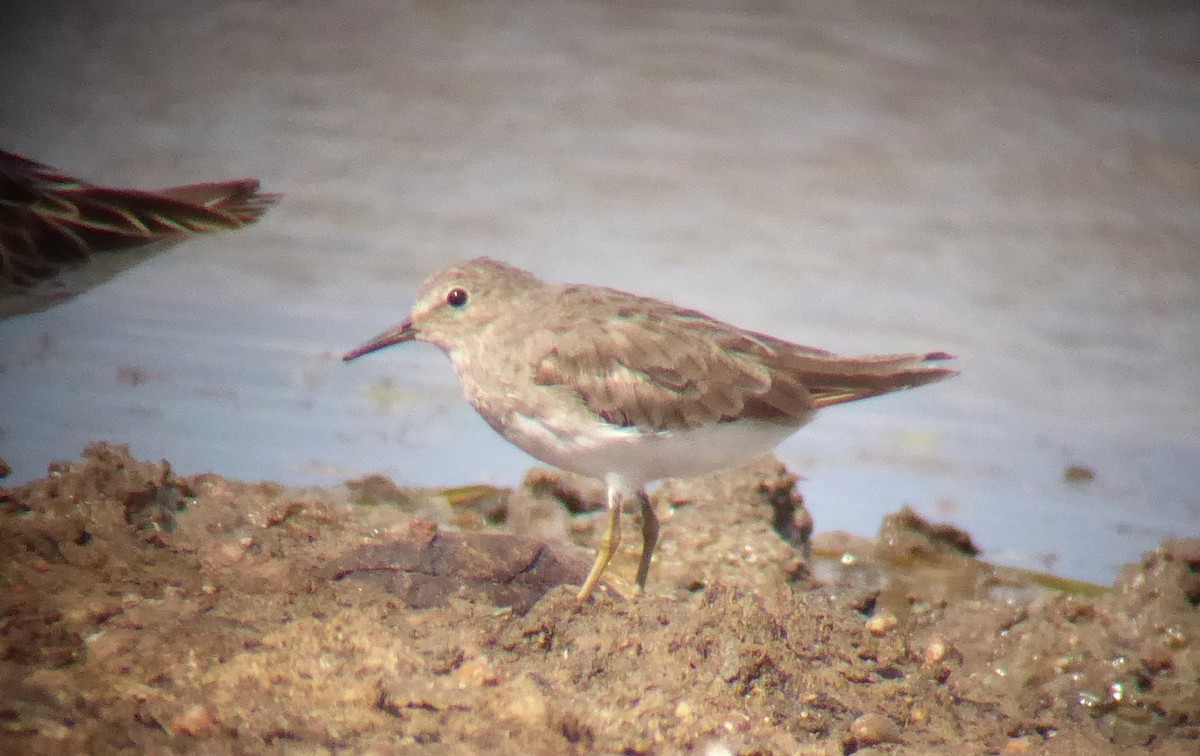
645,363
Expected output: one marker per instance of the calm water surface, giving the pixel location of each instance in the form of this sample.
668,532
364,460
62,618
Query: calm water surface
1016,182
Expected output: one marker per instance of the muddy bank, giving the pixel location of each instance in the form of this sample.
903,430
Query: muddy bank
140,611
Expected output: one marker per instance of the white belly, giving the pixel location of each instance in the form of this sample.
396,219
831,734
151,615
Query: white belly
638,458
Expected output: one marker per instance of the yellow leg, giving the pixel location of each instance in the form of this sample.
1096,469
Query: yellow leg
608,545
649,539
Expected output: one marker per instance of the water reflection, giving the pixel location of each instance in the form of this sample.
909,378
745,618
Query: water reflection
1016,183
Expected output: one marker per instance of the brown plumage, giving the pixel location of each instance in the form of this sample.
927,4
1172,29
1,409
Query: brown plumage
646,363
52,223
626,388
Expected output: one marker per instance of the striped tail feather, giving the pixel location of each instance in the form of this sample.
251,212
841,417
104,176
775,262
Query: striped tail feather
52,222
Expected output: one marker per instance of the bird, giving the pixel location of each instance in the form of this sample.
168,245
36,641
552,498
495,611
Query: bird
60,235
629,389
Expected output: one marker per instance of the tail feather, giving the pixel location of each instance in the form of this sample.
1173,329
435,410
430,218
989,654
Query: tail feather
51,223
841,380
239,199
40,196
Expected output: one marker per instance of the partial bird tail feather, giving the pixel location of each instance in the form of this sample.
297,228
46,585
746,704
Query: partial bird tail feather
51,221
239,198
118,217
838,380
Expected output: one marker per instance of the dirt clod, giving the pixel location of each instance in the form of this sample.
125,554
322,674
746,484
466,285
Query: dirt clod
145,612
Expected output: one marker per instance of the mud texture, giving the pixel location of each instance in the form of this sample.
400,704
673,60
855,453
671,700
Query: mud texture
141,612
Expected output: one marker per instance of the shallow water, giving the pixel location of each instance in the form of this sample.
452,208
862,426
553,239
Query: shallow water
1018,184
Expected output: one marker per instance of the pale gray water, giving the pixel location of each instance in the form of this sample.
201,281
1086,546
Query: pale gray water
1016,182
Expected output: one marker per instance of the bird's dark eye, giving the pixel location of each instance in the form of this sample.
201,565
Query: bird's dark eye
456,297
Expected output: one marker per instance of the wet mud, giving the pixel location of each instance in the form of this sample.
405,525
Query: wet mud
142,611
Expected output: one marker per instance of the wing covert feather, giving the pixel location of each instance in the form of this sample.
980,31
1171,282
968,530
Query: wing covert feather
644,363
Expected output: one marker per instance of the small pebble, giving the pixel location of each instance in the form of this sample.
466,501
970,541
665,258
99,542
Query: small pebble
477,672
872,729
1078,473
197,720
882,624
936,651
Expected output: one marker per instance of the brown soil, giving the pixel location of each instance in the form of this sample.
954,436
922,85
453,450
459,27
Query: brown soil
143,612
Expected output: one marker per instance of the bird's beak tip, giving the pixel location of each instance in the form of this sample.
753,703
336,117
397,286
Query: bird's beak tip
395,335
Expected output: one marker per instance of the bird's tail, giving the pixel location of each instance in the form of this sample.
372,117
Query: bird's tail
106,217
834,379
49,218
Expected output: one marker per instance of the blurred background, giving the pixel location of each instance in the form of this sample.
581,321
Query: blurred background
1017,182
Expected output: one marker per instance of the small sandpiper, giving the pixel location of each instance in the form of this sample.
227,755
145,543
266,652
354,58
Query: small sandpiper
626,388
